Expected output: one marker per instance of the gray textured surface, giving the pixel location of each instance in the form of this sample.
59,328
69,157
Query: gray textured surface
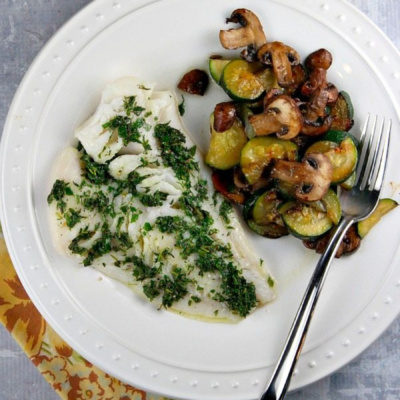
25,27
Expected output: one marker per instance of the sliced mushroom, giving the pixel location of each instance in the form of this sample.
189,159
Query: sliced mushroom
281,57
281,116
350,243
250,35
311,177
316,128
224,116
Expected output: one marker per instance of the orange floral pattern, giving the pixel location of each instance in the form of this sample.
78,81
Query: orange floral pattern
70,375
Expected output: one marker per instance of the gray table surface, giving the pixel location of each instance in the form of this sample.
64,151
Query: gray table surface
25,27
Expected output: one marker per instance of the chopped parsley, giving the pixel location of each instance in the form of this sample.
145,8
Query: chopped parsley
171,288
181,107
72,217
174,153
128,127
59,190
104,208
94,172
225,210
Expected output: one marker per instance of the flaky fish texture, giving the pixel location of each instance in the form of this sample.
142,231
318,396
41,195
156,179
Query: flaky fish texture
134,200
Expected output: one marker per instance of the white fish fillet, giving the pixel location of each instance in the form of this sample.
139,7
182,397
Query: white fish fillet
130,216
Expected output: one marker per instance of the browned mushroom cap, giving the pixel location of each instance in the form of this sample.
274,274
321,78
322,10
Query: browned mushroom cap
281,57
194,82
281,116
321,58
224,116
250,35
311,177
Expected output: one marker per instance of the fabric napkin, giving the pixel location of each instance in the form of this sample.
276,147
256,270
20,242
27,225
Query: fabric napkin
70,375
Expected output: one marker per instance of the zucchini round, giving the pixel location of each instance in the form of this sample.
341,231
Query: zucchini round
343,156
240,82
260,151
332,206
383,207
342,113
261,214
305,221
225,147
337,136
216,66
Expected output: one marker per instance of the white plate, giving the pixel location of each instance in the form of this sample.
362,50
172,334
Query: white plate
107,324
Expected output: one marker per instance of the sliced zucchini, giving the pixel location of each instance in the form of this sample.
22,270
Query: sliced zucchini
349,182
305,221
342,113
244,112
343,156
240,82
261,214
260,151
268,78
383,207
332,206
226,147
216,66
337,136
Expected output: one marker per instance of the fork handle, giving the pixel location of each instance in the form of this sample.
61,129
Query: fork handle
280,380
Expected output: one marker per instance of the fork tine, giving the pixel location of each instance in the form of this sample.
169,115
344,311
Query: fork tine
380,174
373,159
364,131
367,136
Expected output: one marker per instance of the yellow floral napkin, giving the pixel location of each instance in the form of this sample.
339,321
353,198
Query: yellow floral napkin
70,375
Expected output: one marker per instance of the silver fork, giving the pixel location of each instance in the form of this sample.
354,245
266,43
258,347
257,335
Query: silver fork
357,204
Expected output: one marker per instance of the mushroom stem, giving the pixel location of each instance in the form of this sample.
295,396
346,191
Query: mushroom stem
281,116
251,33
281,57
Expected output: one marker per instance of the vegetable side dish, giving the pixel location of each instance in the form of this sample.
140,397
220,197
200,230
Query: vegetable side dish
280,145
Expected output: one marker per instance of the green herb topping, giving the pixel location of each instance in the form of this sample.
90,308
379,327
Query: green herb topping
104,209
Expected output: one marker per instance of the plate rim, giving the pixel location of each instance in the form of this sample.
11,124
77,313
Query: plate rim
87,9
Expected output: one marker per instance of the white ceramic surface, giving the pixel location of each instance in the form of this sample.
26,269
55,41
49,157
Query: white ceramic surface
107,324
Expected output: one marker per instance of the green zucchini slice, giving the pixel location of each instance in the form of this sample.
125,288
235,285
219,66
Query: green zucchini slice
332,206
337,136
343,156
383,207
226,147
240,81
216,66
261,214
342,113
305,221
260,151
